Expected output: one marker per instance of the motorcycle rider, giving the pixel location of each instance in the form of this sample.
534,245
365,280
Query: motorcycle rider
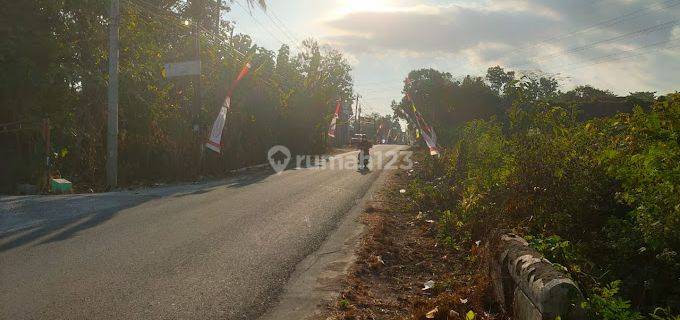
364,147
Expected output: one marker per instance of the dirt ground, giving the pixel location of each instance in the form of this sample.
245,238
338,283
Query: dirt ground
399,253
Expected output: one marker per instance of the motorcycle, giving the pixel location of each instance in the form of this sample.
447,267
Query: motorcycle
363,165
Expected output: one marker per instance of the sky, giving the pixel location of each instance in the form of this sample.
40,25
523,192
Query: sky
620,45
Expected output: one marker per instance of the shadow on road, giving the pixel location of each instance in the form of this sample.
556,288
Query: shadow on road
65,228
364,171
24,220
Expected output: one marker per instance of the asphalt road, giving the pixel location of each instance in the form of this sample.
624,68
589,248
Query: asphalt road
201,251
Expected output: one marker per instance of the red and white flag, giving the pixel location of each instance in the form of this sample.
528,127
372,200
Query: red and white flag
426,131
331,128
215,141
240,76
428,134
431,140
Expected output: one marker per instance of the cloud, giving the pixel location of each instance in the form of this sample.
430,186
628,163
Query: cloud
450,29
526,34
447,29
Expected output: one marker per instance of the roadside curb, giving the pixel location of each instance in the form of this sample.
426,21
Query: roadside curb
528,286
253,167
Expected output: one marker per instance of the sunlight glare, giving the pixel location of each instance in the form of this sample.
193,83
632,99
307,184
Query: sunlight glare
350,6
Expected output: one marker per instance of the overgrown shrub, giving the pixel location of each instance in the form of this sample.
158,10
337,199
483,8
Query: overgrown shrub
601,198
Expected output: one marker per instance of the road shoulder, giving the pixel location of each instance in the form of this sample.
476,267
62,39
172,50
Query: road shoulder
403,269
319,278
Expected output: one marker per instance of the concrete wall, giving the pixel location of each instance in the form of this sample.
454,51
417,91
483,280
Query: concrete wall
528,286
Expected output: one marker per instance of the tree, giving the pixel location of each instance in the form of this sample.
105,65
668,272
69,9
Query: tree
642,98
252,3
498,78
588,93
445,103
55,59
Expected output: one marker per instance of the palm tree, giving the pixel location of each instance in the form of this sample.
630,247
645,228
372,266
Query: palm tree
253,3
261,3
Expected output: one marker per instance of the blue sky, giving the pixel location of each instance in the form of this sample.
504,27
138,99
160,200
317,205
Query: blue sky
621,45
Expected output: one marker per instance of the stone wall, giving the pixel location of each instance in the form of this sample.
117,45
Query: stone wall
528,286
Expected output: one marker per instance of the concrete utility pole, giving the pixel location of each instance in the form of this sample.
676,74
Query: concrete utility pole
359,119
196,110
197,56
112,117
358,125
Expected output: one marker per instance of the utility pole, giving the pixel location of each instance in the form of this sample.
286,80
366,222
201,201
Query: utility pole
197,56
358,124
112,99
196,110
359,119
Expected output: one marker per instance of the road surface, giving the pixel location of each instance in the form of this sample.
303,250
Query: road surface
204,251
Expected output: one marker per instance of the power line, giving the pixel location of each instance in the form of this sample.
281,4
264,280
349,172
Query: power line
289,30
260,23
638,32
608,22
152,11
624,57
379,94
294,42
278,25
647,30
605,58
171,18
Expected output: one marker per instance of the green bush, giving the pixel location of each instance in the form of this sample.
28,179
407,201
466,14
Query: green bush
606,305
645,158
601,198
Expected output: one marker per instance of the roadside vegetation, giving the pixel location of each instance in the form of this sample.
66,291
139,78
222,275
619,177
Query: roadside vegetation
590,179
54,58
404,271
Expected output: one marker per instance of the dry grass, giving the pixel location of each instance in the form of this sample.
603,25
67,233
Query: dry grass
398,254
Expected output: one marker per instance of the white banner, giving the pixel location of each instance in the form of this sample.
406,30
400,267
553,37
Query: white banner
215,141
431,141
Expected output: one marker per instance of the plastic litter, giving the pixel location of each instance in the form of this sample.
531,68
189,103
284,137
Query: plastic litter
432,313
